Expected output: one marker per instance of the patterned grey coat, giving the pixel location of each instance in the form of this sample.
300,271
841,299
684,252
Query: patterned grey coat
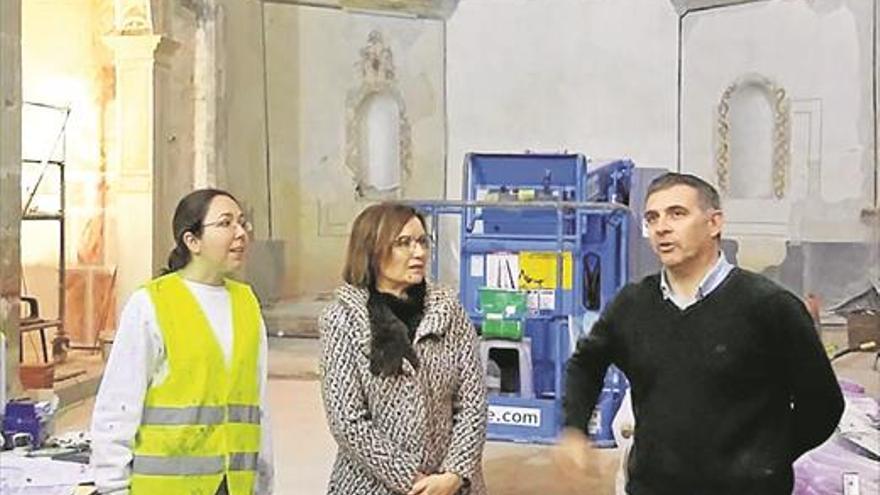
390,428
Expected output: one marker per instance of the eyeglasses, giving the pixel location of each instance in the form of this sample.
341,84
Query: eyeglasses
410,242
228,223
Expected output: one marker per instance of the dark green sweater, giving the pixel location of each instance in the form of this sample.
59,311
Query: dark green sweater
726,393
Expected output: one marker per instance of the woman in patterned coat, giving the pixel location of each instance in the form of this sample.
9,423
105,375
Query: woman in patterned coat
402,383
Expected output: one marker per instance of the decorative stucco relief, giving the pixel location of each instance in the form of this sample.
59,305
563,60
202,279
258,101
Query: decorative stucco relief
781,138
375,75
133,16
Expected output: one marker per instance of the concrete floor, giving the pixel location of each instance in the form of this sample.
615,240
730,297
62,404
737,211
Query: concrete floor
304,449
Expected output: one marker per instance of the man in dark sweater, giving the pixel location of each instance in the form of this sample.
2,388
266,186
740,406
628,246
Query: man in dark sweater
730,383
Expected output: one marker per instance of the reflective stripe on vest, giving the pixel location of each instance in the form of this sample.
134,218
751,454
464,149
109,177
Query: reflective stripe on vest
183,415
244,414
176,466
192,466
201,422
243,461
203,415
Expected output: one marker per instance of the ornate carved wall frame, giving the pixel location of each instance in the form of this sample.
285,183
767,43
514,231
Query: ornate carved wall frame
781,139
377,75
134,17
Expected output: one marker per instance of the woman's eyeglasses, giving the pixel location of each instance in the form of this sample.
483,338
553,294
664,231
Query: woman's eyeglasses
410,242
228,223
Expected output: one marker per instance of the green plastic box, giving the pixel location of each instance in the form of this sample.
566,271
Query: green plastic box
498,328
509,303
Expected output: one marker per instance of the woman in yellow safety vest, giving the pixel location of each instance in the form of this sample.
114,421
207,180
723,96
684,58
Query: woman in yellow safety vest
182,405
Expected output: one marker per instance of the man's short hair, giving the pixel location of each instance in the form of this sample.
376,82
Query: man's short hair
708,196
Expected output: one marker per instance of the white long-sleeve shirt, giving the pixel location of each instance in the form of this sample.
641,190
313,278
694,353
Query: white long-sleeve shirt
138,359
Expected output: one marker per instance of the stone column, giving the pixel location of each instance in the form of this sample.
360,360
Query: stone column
10,187
139,74
206,70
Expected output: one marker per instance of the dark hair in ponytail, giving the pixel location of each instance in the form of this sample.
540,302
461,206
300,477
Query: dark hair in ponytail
188,217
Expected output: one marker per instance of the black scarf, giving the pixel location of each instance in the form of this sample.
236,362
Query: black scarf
393,323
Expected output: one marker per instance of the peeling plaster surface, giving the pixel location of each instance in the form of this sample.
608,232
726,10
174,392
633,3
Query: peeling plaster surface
592,77
823,60
551,79
817,238
312,59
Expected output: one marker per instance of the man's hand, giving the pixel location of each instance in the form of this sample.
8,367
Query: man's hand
575,457
437,484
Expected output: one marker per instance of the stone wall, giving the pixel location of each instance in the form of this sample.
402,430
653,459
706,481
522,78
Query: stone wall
10,189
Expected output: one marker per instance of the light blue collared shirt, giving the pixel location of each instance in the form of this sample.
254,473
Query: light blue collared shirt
710,282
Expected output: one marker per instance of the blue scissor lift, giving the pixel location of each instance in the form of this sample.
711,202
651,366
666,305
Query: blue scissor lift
550,205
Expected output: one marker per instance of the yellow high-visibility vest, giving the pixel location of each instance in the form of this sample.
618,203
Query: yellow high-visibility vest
202,423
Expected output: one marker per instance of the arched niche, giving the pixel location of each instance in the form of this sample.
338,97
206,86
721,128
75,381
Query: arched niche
378,141
753,139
